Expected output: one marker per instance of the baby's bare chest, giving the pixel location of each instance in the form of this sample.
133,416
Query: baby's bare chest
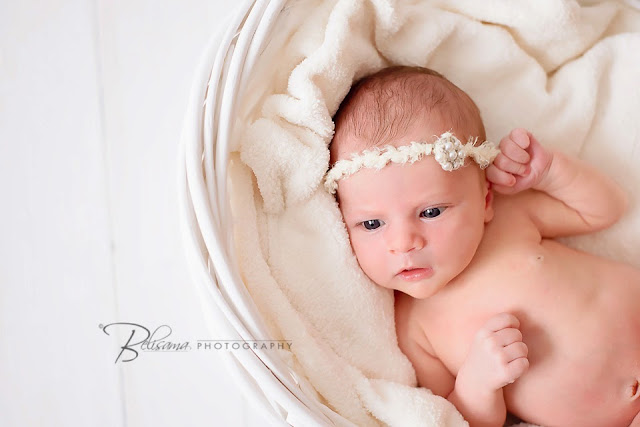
557,294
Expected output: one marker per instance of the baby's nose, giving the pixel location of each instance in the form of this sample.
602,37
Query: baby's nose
406,239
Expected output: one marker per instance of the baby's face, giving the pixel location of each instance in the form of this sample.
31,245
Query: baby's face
414,227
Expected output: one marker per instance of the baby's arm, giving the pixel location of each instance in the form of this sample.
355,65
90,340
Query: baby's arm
497,357
572,198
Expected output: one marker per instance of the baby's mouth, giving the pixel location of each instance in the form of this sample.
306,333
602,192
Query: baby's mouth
416,273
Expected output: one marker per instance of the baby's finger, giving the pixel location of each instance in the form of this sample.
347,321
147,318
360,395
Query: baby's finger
507,336
516,368
508,165
500,177
501,321
521,137
515,351
514,151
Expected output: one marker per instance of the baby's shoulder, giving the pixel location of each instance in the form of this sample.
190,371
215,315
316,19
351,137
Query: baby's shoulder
413,342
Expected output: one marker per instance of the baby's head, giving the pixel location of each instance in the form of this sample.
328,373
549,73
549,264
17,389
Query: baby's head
413,226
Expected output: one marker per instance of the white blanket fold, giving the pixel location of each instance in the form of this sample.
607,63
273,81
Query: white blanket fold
567,71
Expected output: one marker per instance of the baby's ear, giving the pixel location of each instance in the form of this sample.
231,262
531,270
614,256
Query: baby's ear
488,202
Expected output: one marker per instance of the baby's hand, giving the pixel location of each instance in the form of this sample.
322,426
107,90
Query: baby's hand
522,163
497,357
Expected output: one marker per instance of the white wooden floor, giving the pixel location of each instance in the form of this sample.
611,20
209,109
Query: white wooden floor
92,95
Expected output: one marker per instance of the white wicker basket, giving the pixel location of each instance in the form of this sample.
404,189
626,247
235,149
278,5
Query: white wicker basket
207,139
223,96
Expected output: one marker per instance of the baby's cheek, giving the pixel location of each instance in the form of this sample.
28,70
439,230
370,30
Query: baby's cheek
366,257
360,251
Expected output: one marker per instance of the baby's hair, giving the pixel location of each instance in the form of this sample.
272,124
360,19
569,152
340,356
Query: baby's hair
382,107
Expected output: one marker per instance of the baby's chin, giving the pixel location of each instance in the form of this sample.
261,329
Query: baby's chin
422,289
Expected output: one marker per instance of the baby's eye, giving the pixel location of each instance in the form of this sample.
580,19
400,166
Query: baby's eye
432,212
371,224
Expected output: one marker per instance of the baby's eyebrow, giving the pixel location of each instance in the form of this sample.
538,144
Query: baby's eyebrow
440,195
357,208
359,211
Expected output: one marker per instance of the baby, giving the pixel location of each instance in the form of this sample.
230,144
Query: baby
493,314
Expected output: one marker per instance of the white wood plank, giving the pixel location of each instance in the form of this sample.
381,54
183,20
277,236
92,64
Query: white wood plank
149,52
56,275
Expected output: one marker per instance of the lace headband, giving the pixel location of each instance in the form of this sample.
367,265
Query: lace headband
447,150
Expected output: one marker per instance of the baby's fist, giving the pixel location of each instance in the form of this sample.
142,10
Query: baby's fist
522,163
497,356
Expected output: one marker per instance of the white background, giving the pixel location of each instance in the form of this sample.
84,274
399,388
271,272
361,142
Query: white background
92,95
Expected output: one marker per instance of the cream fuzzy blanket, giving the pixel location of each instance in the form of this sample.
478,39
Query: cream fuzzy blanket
567,71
